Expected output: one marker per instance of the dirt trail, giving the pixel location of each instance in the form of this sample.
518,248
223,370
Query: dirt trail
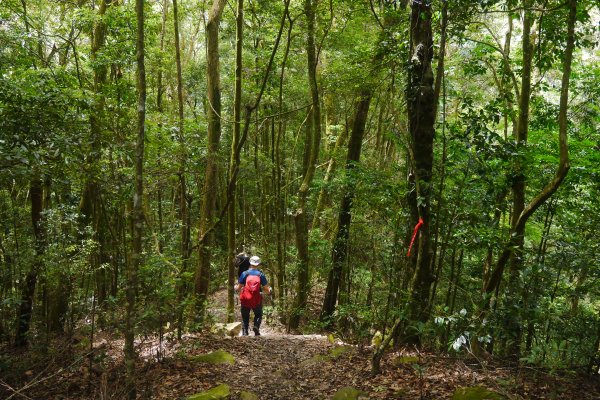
274,365
279,366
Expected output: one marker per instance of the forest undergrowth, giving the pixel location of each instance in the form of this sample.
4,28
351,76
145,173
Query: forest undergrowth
275,365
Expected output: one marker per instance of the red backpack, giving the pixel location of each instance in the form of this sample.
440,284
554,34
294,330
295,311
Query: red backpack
250,294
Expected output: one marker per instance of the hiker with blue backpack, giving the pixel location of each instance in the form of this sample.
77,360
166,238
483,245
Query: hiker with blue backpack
250,283
242,262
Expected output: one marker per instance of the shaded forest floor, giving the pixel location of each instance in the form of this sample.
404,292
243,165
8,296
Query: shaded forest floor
281,366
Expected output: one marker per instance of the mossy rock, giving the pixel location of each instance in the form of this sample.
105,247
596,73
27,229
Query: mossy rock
339,350
348,393
248,396
220,392
315,359
406,360
216,357
476,393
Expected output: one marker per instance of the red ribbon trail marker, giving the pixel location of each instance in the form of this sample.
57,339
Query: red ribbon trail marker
417,226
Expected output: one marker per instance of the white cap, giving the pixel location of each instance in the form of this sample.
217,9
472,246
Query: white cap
254,260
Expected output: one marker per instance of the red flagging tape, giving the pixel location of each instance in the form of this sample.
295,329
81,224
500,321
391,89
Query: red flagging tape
417,226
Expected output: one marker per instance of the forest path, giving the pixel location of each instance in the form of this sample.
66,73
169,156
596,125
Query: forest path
280,366
270,366
275,365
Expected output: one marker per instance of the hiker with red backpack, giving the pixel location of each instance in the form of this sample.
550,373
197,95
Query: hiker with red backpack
250,282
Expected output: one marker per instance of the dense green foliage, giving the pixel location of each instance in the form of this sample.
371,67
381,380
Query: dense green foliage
50,98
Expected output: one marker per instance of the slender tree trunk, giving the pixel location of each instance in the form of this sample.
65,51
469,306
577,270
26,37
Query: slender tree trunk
438,262
313,144
280,206
6,282
237,109
213,78
340,244
90,201
27,295
439,82
506,81
159,107
439,72
323,200
453,290
518,187
138,211
531,292
183,196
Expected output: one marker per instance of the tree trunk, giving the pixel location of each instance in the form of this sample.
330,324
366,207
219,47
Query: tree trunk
138,212
27,295
202,278
518,188
323,200
183,196
531,291
159,107
340,243
452,291
312,148
439,82
237,108
90,201
439,72
280,204
421,109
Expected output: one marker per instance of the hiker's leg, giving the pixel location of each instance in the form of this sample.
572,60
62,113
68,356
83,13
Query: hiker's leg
258,311
245,319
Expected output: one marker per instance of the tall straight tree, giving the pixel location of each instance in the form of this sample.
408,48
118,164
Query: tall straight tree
340,244
160,91
183,196
27,296
90,200
359,122
138,212
277,165
207,216
239,135
519,179
313,143
235,141
421,116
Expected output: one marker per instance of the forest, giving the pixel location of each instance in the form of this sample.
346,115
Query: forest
420,179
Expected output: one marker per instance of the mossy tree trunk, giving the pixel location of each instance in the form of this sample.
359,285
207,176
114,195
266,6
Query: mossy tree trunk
27,295
421,114
235,141
340,244
207,216
138,210
183,194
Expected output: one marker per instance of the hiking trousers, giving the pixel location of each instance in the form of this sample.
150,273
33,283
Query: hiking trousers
258,311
